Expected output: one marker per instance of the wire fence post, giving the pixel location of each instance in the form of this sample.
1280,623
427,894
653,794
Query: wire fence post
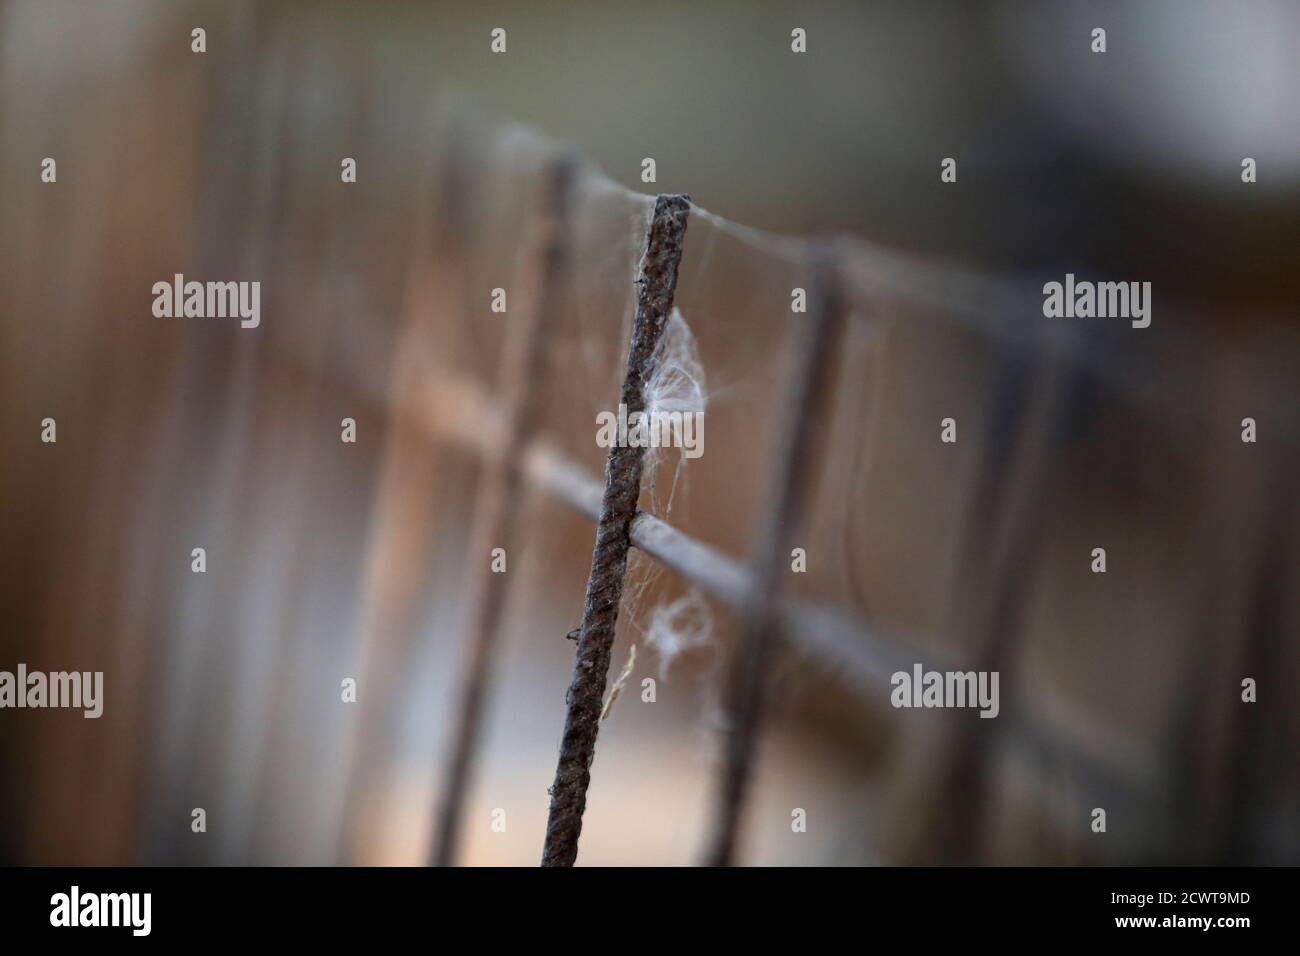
656,287
807,393
998,558
496,515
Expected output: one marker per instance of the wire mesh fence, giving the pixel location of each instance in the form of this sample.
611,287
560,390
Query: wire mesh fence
829,538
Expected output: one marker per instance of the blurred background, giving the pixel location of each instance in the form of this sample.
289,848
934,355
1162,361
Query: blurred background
329,560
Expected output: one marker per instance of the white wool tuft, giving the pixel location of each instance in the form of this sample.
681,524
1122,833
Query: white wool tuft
678,627
676,385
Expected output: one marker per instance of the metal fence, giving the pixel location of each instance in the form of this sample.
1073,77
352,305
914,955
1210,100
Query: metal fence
329,561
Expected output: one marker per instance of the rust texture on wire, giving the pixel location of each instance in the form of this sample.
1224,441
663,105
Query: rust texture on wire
496,515
656,287
806,395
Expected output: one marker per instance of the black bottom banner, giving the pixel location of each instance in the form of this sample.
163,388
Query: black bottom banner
370,905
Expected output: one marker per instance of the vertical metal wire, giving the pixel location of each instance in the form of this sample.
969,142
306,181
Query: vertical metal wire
499,500
952,795
657,285
807,392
